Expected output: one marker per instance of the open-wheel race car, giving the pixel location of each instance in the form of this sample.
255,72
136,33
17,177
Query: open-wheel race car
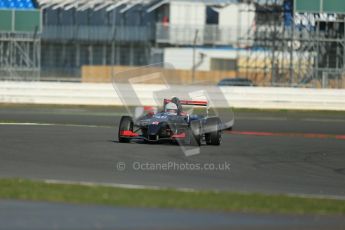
173,124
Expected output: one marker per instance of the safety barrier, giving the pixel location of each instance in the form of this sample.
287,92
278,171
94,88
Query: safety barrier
104,94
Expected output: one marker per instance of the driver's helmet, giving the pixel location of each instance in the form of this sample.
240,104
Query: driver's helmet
171,108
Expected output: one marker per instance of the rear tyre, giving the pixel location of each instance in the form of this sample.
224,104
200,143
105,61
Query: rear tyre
126,123
213,135
195,133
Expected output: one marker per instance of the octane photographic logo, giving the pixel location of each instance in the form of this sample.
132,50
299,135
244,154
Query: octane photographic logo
139,88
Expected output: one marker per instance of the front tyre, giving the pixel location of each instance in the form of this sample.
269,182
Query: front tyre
126,123
195,133
213,133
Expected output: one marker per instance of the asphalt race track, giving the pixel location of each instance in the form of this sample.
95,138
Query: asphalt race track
39,215
283,163
290,153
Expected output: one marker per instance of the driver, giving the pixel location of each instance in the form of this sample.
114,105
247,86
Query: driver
171,108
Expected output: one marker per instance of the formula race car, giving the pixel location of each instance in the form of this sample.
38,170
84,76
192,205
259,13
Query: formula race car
172,124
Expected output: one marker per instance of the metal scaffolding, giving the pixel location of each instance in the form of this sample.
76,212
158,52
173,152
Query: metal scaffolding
20,56
306,50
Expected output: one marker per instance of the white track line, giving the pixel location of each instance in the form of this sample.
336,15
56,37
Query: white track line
115,185
134,186
53,124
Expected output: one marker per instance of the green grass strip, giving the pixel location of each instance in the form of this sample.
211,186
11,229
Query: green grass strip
166,198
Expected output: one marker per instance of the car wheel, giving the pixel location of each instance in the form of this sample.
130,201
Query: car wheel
126,123
195,133
213,135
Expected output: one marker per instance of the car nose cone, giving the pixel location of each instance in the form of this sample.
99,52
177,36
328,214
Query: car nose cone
153,129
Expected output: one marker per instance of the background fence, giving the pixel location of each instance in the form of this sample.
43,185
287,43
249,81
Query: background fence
104,94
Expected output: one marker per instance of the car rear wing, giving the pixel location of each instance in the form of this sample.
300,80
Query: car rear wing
188,102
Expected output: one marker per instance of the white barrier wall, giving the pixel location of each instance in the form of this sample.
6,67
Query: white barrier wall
104,94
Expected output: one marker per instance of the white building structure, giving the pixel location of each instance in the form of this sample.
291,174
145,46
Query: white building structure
209,22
